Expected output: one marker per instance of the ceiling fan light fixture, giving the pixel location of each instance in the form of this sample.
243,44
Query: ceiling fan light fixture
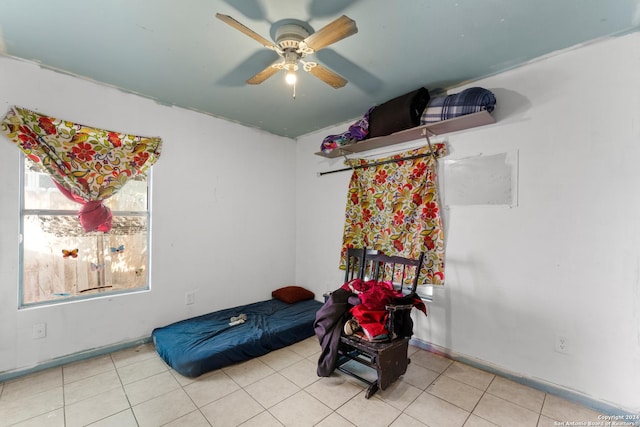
291,59
289,36
291,77
293,42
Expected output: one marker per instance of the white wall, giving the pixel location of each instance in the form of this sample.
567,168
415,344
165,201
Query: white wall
565,260
223,196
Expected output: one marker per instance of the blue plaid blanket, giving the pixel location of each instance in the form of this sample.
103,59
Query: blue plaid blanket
468,101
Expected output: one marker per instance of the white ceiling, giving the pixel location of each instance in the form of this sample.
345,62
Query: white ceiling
178,53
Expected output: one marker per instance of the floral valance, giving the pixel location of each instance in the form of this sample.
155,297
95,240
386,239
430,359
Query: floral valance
89,165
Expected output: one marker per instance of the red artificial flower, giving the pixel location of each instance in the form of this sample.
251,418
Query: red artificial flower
417,199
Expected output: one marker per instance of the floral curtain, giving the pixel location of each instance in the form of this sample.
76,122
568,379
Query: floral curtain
88,165
393,206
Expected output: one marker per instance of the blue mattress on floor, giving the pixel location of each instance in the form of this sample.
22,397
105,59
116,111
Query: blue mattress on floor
204,343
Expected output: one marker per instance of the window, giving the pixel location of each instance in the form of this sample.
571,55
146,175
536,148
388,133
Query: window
60,262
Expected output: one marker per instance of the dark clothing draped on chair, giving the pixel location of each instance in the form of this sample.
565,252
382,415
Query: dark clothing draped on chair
383,323
328,326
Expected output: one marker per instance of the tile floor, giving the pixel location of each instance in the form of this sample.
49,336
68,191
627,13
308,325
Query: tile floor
134,387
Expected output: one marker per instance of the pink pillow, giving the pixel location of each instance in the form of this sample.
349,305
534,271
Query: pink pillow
291,294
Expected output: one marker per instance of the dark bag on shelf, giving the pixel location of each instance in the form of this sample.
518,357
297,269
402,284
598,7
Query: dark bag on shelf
398,114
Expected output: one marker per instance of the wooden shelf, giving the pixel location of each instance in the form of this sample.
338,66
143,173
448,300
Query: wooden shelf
467,121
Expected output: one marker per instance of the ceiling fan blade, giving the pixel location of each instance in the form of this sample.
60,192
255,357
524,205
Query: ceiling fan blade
242,28
337,30
328,76
265,74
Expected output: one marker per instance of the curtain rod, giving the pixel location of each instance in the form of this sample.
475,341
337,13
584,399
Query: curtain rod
384,162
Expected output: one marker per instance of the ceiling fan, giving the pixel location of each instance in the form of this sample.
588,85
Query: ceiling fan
293,42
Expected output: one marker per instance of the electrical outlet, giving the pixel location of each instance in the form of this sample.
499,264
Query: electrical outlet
39,331
562,344
190,298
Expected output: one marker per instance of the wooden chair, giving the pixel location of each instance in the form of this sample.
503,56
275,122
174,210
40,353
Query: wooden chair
389,359
355,264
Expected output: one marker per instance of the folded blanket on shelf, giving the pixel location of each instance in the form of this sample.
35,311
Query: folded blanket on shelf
356,132
398,114
468,101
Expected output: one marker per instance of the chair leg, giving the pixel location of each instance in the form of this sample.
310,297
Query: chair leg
371,390
392,364
389,361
